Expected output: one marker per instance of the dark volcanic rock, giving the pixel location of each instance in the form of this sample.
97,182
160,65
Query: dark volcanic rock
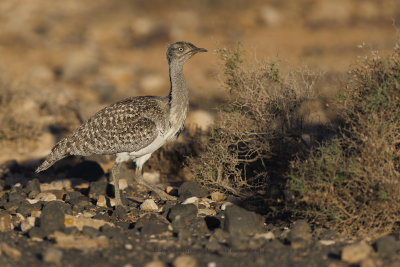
152,224
180,223
37,232
71,231
187,211
198,226
220,235
90,231
10,166
241,221
120,212
11,206
237,241
98,187
72,195
25,208
52,217
62,206
14,201
16,196
191,189
124,225
185,237
2,184
87,170
80,203
386,245
181,215
111,232
4,199
77,200
32,188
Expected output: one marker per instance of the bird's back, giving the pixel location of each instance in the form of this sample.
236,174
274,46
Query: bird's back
126,126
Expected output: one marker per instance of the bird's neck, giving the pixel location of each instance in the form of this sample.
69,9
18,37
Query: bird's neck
178,96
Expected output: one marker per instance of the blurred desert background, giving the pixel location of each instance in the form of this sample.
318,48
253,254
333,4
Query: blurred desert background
61,61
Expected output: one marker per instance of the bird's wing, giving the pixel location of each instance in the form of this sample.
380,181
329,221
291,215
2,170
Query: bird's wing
126,126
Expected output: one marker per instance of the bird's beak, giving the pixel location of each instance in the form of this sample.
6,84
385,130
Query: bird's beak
197,50
200,50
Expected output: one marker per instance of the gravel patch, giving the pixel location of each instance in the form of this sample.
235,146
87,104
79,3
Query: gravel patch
75,223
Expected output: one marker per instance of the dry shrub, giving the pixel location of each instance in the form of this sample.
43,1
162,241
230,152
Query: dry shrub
262,110
351,183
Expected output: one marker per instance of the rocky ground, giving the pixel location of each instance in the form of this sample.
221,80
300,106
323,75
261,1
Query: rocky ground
74,222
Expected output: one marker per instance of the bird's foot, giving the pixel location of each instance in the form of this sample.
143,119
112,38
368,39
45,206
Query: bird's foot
118,202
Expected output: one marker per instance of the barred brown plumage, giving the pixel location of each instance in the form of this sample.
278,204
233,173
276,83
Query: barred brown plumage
135,127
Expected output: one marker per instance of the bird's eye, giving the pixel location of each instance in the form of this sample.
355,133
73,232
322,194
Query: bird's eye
180,49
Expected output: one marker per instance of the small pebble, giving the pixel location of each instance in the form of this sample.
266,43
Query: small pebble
53,255
185,261
27,224
5,222
190,200
36,213
10,252
207,212
218,196
327,242
33,188
123,184
128,246
101,201
356,253
267,236
45,196
149,205
56,185
169,189
98,187
369,262
226,204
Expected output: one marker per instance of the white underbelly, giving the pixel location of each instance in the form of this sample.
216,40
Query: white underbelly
156,144
148,150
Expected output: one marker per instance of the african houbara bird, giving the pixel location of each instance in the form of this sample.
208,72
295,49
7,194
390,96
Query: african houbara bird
135,127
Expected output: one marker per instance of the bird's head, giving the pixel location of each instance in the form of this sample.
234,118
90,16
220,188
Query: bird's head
180,52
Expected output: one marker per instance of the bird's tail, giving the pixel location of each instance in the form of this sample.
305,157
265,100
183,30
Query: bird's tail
59,151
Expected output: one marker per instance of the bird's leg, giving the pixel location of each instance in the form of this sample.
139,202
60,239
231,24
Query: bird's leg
115,177
140,180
